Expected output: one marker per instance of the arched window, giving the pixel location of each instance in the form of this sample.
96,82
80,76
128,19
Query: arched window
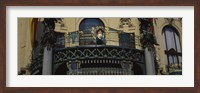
86,26
172,46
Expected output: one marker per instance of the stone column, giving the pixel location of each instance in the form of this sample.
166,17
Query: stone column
47,61
148,41
149,59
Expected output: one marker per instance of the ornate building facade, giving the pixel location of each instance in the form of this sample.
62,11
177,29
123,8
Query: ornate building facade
99,46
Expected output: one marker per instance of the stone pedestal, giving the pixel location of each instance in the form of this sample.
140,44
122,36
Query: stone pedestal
47,62
149,59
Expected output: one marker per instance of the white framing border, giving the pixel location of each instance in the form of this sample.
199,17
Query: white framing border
185,80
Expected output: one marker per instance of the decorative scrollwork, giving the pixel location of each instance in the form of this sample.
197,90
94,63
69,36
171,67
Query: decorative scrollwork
125,21
147,32
94,52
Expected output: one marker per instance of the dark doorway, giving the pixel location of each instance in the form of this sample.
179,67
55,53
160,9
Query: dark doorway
137,69
62,69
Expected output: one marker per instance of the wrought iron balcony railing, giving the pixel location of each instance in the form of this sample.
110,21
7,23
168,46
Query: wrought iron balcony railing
98,51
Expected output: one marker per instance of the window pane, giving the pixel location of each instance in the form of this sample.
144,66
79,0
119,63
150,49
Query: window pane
170,38
127,39
170,60
178,43
74,38
180,59
175,60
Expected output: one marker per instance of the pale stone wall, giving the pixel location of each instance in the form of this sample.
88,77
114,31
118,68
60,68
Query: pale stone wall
112,39
24,44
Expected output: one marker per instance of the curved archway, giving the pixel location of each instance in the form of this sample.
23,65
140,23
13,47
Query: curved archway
175,26
79,20
172,28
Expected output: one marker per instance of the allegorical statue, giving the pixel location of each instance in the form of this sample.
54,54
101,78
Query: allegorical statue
147,32
100,37
48,38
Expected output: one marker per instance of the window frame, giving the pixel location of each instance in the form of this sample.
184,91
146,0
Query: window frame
172,52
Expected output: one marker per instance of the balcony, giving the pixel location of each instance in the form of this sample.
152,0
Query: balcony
98,59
